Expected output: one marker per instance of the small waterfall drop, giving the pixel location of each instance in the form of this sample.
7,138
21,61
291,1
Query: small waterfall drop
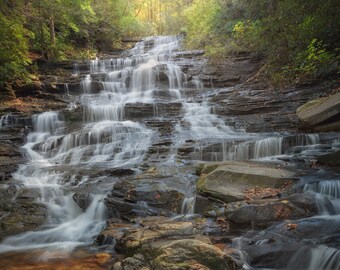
321,257
268,147
188,206
199,122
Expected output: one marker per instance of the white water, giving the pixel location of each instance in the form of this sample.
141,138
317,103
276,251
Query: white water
268,147
5,120
68,226
107,139
188,206
199,123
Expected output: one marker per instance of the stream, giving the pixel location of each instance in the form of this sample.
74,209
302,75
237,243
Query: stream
143,110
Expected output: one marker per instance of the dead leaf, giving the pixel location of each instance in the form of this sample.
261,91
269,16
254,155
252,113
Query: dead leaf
291,226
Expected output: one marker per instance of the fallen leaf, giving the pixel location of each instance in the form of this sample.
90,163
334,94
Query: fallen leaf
291,226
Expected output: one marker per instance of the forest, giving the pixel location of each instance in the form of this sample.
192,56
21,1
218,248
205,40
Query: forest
169,134
298,39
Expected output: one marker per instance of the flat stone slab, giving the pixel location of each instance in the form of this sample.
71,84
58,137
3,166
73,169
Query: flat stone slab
319,110
227,181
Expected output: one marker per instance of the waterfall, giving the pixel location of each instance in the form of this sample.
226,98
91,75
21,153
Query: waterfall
321,257
75,228
68,226
171,118
327,195
5,120
47,122
188,206
199,122
105,139
268,147
325,187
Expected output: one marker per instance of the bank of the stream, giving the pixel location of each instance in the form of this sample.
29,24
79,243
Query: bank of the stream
160,159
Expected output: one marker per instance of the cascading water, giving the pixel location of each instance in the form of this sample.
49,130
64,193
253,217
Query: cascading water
268,147
5,120
320,254
68,226
201,123
188,206
107,138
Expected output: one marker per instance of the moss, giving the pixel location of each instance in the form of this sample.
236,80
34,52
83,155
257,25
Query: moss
199,169
311,104
201,182
208,168
205,168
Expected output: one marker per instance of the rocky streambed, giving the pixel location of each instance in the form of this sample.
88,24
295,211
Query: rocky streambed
160,159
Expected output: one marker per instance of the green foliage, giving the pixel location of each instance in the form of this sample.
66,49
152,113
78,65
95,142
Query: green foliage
314,58
200,20
13,50
291,34
247,34
113,20
298,38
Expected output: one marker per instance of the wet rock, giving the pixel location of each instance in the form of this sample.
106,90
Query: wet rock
73,116
131,198
187,254
134,239
136,262
113,232
276,246
21,216
164,244
331,159
9,192
208,206
28,194
119,172
83,200
230,179
10,154
264,212
322,114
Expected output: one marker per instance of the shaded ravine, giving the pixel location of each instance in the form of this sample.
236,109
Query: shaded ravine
140,111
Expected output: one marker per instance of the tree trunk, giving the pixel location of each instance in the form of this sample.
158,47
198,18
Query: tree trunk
52,31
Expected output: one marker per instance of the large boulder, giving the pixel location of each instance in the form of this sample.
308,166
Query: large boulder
330,159
142,197
264,212
187,254
178,254
165,244
134,239
279,245
322,114
228,181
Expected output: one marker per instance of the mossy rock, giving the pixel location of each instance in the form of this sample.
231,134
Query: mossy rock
188,254
321,112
